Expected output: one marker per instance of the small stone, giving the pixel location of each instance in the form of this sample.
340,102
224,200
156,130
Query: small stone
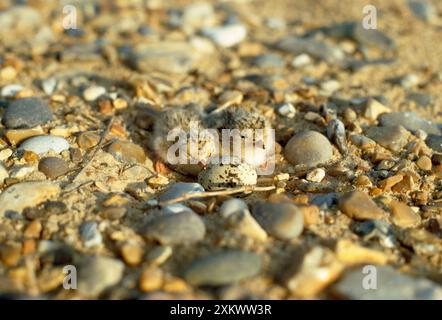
127,152
93,93
330,86
180,189
10,254
362,141
26,113
308,148
53,167
420,98
33,230
311,213
87,140
5,154
391,137
374,109
392,285
358,205
423,10
281,220
113,213
434,142
151,279
11,90
287,110
26,194
159,255
19,172
269,61
15,136
43,144
178,228
350,253
409,120
402,215
90,234
389,182
226,36
132,254
424,163
3,173
238,216
363,181
97,273
301,60
316,175
223,268
230,175
49,85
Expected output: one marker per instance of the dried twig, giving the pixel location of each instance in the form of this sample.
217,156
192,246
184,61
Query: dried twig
94,152
207,194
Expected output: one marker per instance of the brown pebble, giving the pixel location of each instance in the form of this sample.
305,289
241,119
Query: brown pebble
363,181
53,167
127,152
10,254
33,230
311,214
132,254
402,215
87,140
360,206
29,246
424,163
151,279
389,182
15,136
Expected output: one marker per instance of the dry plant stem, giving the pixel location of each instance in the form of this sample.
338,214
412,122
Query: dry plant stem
225,192
93,153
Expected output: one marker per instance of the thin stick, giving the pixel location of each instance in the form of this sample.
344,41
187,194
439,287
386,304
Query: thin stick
207,194
95,151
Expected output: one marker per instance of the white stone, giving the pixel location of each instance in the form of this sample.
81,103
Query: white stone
374,109
43,144
11,90
316,175
5,154
226,36
287,110
301,60
93,93
20,172
3,174
330,86
49,85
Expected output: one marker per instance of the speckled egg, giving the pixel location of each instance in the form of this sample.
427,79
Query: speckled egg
228,175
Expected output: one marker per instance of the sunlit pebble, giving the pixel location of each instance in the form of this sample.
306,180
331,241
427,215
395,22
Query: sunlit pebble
316,175
93,93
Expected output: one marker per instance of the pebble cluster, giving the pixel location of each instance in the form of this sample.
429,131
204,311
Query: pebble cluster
84,180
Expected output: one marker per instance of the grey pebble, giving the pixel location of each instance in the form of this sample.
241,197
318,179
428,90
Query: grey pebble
423,10
281,220
390,285
179,189
27,113
90,234
308,148
422,99
223,268
409,120
178,228
53,167
434,142
97,273
392,137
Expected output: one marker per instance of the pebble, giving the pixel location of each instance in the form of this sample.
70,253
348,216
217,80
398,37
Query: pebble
372,37
423,10
97,273
392,137
11,90
287,110
420,98
93,93
409,120
180,189
15,136
53,167
197,15
308,148
151,279
230,175
21,171
167,56
43,144
131,254
126,151
237,215
88,139
403,216
316,175
158,255
314,48
223,268
374,109
434,142
424,163
26,194
269,61
284,221
5,154
90,235
26,113
351,254
390,285
226,36
330,86
301,60
358,205
3,173
362,142
113,213
49,85
178,228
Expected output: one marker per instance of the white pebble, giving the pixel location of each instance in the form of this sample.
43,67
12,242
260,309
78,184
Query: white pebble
226,36
11,90
301,60
93,93
49,85
287,110
5,154
316,175
43,144
330,86
21,171
3,173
